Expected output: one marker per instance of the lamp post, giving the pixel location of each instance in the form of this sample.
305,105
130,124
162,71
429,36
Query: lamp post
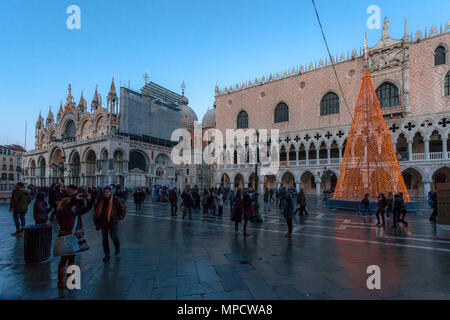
256,216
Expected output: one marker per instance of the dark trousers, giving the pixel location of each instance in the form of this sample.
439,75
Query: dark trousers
19,220
236,226
301,210
378,215
220,210
289,223
189,210
434,215
112,232
66,261
173,208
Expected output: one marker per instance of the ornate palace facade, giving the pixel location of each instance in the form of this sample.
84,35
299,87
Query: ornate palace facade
313,112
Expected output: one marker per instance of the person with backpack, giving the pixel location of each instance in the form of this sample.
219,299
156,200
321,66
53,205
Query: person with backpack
382,204
40,209
109,211
20,199
68,215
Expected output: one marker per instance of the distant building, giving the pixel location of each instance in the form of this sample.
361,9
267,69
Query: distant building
11,162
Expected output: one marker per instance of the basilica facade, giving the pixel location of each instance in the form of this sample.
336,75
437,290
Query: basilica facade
313,112
103,146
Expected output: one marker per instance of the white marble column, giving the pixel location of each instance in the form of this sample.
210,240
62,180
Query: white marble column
297,187
340,154
296,157
410,150
328,155
318,188
318,155
444,148
426,188
426,142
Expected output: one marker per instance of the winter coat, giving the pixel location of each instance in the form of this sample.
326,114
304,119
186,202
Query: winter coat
301,200
101,212
187,200
237,211
67,210
247,207
382,204
20,199
288,210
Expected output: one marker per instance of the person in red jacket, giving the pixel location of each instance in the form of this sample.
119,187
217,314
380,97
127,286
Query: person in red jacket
108,212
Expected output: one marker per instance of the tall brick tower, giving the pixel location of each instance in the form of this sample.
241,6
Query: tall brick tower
370,164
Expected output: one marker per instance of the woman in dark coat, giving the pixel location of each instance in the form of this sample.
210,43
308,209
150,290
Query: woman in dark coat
40,209
246,211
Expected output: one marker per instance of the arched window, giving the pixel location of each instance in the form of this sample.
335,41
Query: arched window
447,84
329,104
137,161
281,113
71,130
388,95
439,56
242,120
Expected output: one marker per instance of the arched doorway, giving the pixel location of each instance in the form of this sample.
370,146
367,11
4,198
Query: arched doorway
41,172
270,182
225,181
402,148
137,169
328,181
441,176
32,172
413,182
288,181
239,182
91,160
74,165
57,166
308,182
119,168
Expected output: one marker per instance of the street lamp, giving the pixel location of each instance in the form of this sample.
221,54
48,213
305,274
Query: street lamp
256,216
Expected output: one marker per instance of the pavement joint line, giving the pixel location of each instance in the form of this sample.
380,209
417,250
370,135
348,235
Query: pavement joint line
316,236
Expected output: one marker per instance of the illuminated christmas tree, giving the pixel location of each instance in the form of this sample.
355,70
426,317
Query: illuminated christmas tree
370,165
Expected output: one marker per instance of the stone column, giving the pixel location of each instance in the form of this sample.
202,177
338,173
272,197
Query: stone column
307,155
410,150
296,157
426,188
318,188
444,148
297,187
426,142
232,186
340,154
328,155
395,146
318,155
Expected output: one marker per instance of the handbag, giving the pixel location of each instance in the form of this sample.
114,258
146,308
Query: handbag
66,245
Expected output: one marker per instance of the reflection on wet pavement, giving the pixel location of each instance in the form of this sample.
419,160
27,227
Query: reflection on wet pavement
170,258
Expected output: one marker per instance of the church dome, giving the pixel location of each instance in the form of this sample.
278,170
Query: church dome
209,119
188,117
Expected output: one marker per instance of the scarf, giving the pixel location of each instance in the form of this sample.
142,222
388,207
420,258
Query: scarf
99,209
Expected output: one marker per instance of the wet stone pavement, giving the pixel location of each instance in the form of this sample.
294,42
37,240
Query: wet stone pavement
166,258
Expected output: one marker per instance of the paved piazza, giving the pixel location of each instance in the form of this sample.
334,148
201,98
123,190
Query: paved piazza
166,258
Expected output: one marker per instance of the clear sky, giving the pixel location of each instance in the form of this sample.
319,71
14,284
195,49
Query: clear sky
201,42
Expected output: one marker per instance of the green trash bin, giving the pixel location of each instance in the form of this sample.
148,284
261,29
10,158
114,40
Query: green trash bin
37,243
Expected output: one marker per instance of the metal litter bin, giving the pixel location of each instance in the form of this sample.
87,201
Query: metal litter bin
37,243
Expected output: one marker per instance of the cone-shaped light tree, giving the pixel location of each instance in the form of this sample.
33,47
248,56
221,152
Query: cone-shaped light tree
370,165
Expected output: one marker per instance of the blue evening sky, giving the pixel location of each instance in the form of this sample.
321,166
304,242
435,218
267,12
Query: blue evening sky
201,42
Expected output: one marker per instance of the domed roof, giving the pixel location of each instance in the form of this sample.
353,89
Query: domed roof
209,119
188,117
